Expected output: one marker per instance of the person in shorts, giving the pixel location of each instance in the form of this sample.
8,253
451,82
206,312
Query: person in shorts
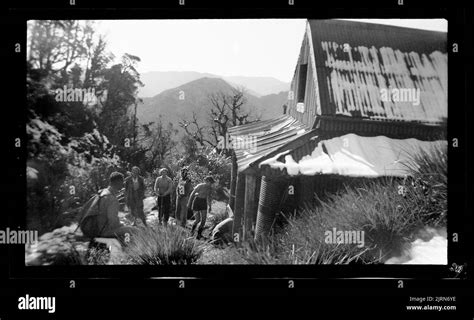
200,202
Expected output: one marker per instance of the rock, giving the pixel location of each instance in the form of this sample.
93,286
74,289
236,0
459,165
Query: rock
46,236
53,249
58,232
31,173
65,230
42,246
64,241
148,204
58,241
33,259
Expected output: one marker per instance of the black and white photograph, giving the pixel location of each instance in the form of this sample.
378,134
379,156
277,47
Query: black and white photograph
237,142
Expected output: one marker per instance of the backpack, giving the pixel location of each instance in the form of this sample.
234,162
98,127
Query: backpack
89,223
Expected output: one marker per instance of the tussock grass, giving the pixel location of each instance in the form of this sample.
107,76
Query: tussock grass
98,254
71,257
169,245
429,186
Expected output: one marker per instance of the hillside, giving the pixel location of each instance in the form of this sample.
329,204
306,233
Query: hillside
195,98
157,81
260,85
274,102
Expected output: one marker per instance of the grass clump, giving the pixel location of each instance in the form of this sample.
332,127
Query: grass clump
171,245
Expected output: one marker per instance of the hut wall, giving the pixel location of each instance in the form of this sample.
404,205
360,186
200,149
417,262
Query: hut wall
310,98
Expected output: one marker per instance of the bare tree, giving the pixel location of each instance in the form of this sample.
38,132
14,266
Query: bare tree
226,110
197,131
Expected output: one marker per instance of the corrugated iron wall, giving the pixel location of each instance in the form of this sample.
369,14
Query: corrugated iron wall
271,192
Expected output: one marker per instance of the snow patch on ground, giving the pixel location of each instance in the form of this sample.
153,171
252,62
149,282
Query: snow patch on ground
431,247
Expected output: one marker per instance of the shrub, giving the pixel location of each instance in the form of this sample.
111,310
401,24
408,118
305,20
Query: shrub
70,258
208,162
47,169
61,178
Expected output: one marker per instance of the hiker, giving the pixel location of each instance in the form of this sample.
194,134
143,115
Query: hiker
134,195
100,221
200,202
163,188
108,221
183,191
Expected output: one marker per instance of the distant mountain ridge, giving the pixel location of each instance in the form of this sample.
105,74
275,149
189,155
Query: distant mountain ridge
176,104
156,82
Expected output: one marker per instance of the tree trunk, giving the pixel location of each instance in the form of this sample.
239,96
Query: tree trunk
135,125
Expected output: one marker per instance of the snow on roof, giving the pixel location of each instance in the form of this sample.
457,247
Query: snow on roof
380,72
356,156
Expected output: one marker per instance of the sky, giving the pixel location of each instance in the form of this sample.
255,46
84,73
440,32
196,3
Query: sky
237,47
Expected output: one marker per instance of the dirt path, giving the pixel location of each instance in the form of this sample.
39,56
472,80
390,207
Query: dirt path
69,245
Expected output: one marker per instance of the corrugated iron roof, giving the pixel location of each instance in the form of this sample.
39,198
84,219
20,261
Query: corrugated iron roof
374,71
264,137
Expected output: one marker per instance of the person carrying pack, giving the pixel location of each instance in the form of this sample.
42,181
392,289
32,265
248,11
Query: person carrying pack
100,213
89,222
